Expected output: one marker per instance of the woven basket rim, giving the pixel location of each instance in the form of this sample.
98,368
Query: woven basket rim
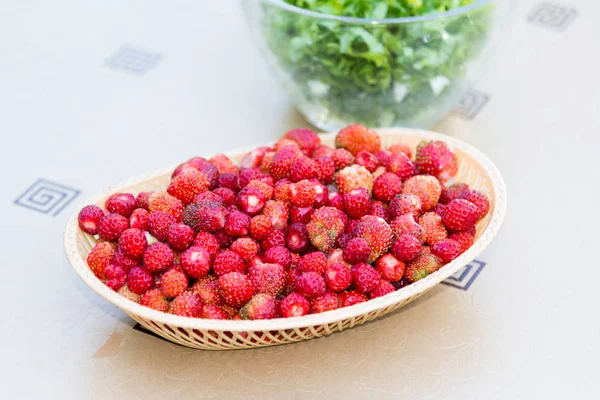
80,266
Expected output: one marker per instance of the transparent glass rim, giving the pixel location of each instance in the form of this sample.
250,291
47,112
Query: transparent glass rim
403,20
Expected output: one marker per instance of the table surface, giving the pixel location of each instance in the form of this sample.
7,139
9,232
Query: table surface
79,115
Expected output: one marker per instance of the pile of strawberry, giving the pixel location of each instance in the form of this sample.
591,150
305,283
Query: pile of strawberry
297,228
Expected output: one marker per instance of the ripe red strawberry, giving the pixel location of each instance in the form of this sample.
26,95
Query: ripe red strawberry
326,302
381,210
322,151
422,266
342,240
315,261
302,193
214,312
303,168
159,223
350,226
278,213
264,188
321,193
133,242
354,177
278,255
438,159
155,299
427,187
481,202
139,280
206,215
311,284
226,194
187,304
115,276
447,250
307,140
261,306
405,248
338,277
406,224
201,197
260,227
205,167
292,276
247,248
111,226
229,181
282,190
433,229
158,257
439,209
228,261
350,298
465,239
301,214
275,238
139,219
268,278
390,267
381,290
367,160
235,289
195,262
250,200
294,305
335,199
355,138
325,169
459,215
180,236
143,200
383,157
223,164
387,186
296,238
209,242
357,250
237,224
377,233
173,282
89,219
401,165
324,227
184,168
265,164
400,148
342,158
119,258
208,290
365,278
356,202
163,201
455,191
121,203
254,158
187,186
283,160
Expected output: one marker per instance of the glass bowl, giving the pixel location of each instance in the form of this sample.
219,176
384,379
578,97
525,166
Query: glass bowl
375,72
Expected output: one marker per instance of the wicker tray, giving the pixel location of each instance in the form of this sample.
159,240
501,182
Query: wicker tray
475,169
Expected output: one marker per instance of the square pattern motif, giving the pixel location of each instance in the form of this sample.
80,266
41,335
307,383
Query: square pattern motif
47,197
464,278
552,16
132,60
471,103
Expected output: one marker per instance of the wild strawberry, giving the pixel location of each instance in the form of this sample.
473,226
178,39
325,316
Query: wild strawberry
195,262
382,289
406,224
464,239
173,282
292,276
260,227
455,191
321,193
433,228
264,188
322,151
315,261
142,200
158,257
303,168
439,209
338,277
400,148
356,202
381,210
387,186
139,219
481,202
180,236
89,219
307,140
186,187
367,160
133,242
253,159
155,299
438,159
162,201
228,261
447,250
355,138
350,298
459,215
265,163
282,190
207,196
383,157
159,223
268,278
354,177
208,290
335,199
342,240
296,238
247,248
405,204
377,233
128,294
206,168
278,213
302,194
235,289
187,304
401,165
237,224
356,250
325,169
311,284
261,306
325,302
214,312
115,276
405,248
120,258
226,194
390,267
207,215
301,214
223,238
111,226
275,238
121,203
365,278
228,181
223,164
250,200
283,160
422,266
426,187
350,226
139,280
294,305
324,227
278,255
208,241
184,168
342,158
